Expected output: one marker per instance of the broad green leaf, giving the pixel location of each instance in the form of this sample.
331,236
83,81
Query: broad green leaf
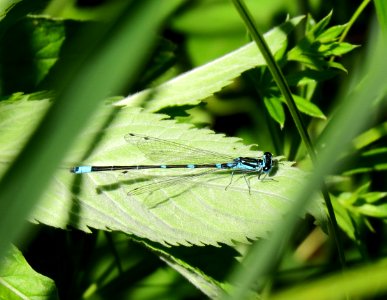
19,116
194,211
192,87
197,211
19,281
5,6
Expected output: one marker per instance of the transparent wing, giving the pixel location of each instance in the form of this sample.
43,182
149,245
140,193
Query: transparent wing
164,151
158,182
167,181
161,189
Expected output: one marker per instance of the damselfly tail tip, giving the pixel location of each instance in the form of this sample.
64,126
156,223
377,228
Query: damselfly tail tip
74,170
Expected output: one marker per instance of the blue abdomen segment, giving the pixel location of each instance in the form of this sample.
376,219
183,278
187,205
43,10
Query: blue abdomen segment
246,167
81,169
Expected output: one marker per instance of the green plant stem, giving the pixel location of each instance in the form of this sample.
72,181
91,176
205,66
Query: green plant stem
277,75
354,17
285,90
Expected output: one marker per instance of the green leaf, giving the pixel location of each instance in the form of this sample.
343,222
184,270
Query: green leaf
32,48
362,202
370,136
316,30
372,160
19,116
335,49
313,59
331,33
20,281
308,107
192,87
5,6
275,109
199,268
373,197
198,211
344,219
204,283
319,44
376,211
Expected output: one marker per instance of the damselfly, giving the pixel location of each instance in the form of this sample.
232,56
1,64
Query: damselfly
173,155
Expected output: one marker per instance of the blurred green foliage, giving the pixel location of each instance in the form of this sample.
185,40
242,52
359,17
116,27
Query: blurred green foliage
60,60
